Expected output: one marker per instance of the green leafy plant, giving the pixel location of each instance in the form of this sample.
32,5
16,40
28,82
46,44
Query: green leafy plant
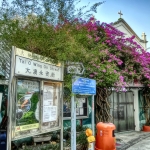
34,100
82,140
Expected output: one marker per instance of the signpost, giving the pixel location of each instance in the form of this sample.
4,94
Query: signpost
81,86
75,68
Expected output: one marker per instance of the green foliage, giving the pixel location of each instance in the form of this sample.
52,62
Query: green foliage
52,11
34,100
82,140
27,118
48,28
81,136
52,146
45,147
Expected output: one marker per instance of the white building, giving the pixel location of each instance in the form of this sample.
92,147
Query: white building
123,26
126,106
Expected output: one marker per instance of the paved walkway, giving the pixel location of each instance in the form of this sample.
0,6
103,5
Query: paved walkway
126,140
142,145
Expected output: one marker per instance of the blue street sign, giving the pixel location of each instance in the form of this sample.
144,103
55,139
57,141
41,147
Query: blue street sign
84,86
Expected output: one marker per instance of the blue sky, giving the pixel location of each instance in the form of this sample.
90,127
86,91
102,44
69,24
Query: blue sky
135,12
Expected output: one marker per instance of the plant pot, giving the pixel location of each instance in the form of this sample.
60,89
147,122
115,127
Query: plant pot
146,128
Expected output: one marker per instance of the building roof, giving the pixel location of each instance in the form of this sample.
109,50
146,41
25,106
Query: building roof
121,20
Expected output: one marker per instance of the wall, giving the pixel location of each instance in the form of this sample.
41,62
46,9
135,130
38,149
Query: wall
120,26
136,108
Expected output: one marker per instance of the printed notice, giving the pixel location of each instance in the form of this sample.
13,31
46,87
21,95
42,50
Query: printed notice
46,113
49,113
53,113
48,96
81,111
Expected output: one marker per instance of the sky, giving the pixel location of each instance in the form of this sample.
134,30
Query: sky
135,12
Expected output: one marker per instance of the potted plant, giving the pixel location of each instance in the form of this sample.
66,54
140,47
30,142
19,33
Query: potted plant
146,107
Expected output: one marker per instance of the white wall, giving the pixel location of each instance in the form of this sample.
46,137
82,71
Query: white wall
136,108
120,26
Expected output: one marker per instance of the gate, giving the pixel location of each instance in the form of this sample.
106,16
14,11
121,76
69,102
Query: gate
122,110
4,63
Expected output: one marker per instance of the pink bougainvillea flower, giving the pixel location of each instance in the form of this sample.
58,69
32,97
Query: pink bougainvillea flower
91,75
95,73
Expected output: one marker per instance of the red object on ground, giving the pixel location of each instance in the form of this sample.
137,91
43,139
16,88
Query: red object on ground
146,128
105,138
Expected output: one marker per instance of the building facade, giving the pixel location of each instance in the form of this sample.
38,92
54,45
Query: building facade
125,106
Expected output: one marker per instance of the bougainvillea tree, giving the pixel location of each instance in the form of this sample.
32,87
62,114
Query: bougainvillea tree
108,56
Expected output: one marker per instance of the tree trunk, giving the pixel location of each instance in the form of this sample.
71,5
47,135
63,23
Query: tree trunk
103,105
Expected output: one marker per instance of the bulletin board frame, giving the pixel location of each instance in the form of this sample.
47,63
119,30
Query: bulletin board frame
32,68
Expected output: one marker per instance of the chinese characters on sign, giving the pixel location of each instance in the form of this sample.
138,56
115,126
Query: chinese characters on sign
28,67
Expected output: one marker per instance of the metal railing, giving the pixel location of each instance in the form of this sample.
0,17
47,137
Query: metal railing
4,63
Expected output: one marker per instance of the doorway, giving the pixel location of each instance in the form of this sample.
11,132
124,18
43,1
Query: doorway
122,110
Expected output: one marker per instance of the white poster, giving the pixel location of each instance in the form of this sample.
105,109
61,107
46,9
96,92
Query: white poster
49,113
46,113
53,113
1,94
81,111
79,102
48,95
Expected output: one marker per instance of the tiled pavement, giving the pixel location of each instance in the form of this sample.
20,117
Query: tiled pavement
132,140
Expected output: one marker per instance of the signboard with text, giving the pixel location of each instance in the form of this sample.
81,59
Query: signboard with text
84,86
29,67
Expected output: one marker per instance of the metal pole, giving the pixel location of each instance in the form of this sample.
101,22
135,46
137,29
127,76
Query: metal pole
10,99
93,119
73,123
61,131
